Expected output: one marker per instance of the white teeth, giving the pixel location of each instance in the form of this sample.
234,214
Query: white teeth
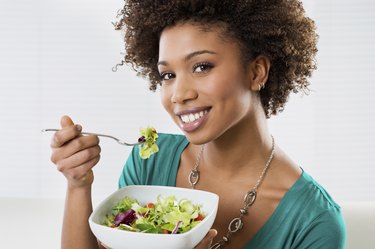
189,118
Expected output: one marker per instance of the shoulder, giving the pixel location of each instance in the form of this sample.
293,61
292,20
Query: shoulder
160,168
174,140
169,145
166,143
316,193
321,221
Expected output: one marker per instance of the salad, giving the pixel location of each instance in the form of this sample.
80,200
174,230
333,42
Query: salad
148,147
165,216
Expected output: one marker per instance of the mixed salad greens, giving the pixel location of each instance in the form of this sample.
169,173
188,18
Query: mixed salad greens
148,147
165,216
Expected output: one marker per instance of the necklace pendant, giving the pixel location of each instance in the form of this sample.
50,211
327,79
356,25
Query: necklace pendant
249,198
193,177
235,225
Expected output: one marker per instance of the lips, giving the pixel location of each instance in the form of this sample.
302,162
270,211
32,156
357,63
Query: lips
192,119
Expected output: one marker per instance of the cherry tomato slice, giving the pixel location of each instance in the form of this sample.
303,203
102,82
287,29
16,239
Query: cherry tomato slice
199,217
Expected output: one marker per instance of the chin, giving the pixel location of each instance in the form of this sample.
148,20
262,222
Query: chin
196,139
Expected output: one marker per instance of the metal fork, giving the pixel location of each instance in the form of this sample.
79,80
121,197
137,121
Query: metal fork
141,140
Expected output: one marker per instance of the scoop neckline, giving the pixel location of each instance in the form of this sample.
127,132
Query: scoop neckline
274,214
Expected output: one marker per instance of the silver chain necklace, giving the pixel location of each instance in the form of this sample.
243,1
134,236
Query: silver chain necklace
236,224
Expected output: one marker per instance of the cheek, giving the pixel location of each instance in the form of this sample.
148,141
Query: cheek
225,88
165,98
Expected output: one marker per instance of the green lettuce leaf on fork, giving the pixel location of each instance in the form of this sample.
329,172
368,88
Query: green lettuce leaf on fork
149,147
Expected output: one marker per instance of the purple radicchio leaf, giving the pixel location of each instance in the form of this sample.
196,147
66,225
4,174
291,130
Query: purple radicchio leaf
126,217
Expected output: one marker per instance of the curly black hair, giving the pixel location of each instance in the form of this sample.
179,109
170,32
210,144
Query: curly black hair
278,29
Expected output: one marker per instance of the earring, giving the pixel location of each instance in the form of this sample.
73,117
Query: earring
261,86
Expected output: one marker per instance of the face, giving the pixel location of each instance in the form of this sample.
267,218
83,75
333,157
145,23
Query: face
205,84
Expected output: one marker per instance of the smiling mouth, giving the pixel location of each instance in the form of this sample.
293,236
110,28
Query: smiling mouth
193,116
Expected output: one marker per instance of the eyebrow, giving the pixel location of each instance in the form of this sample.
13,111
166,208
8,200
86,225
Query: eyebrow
189,56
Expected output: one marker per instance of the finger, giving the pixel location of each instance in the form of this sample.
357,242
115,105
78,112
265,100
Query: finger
78,173
64,135
74,146
66,121
68,132
207,240
78,158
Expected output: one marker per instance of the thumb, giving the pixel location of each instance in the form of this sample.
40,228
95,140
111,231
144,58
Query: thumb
211,235
207,240
66,121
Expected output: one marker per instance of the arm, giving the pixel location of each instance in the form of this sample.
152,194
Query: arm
75,156
76,232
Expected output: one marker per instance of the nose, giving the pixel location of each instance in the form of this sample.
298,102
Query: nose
184,90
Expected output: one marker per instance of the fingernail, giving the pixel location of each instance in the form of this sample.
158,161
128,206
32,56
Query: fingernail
79,127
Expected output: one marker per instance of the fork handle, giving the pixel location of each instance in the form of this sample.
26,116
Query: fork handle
101,135
84,133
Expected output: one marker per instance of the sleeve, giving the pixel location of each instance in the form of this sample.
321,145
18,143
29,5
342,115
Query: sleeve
326,231
131,173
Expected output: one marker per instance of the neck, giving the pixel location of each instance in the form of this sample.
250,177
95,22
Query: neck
242,148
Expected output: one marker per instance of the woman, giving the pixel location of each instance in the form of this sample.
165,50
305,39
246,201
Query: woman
223,68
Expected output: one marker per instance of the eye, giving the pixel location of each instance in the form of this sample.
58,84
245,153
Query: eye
167,76
202,67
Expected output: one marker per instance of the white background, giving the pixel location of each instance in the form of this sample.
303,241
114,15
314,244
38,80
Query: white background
56,58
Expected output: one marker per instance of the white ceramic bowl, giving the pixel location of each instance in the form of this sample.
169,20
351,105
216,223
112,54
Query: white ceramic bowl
120,239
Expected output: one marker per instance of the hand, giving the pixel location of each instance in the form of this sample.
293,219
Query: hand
207,240
73,154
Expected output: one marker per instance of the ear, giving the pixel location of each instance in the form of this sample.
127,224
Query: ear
258,72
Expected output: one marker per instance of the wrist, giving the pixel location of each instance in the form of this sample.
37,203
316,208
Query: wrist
84,182
78,197
75,187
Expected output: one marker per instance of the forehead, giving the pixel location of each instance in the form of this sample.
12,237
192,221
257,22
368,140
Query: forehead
188,37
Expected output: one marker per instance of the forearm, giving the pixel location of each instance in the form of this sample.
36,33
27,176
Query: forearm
76,233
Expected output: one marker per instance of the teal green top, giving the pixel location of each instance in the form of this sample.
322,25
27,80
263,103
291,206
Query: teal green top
306,217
